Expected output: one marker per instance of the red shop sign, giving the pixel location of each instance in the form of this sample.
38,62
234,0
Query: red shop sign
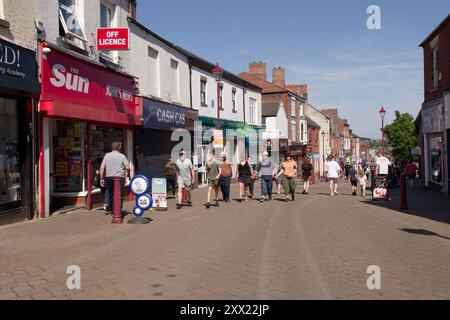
113,39
75,88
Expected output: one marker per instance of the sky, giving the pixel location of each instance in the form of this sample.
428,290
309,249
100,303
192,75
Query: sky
323,43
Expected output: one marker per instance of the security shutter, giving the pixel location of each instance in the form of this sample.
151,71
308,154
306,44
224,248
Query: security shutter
154,148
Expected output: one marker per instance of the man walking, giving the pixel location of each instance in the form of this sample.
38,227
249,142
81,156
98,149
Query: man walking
333,170
290,174
213,175
185,177
267,169
225,178
114,164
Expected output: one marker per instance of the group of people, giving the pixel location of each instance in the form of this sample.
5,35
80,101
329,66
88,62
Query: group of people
220,175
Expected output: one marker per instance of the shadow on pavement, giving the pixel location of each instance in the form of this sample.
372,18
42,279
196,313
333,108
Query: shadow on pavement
423,232
423,203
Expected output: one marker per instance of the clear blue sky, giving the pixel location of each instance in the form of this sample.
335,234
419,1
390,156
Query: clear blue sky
325,44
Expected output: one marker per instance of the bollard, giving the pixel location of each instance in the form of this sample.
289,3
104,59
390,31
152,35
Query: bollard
403,196
117,202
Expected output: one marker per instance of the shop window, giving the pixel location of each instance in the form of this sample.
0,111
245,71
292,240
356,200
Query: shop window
69,19
435,154
101,141
9,152
67,151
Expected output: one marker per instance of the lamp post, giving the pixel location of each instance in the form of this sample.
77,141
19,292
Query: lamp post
217,72
382,115
323,152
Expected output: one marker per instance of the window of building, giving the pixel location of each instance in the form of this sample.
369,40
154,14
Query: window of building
293,107
435,152
2,13
233,99
434,68
174,94
153,72
220,97
252,111
203,92
107,12
69,18
9,152
293,131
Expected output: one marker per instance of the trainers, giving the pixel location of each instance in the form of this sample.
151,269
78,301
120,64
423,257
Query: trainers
189,203
178,206
208,205
287,199
217,203
262,199
304,192
336,193
293,197
270,198
332,193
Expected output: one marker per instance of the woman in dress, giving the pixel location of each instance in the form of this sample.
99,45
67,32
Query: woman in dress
244,174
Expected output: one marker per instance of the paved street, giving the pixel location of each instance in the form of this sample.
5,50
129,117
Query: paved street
318,247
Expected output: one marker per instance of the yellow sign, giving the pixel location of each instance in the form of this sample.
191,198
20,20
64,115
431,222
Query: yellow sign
218,139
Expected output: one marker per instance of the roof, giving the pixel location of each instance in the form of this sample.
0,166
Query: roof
270,108
311,123
266,86
435,30
196,60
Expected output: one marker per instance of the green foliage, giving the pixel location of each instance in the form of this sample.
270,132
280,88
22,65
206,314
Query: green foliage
401,136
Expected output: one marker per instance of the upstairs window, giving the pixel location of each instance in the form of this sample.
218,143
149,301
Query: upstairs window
203,92
434,68
252,111
175,94
69,20
233,99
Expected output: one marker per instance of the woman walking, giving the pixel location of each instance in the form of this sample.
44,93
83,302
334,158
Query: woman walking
225,178
244,174
290,175
307,168
171,175
279,177
353,179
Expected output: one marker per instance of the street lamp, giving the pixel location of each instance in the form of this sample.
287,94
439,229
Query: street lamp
382,115
218,72
323,152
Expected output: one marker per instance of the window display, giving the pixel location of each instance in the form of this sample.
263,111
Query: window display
436,165
67,156
9,153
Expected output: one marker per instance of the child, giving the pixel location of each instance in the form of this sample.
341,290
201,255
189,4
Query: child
362,179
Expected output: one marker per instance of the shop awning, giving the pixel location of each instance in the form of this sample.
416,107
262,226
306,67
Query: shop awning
64,109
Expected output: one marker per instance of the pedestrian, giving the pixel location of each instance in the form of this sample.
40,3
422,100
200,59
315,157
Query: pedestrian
290,175
383,164
353,176
347,169
279,177
213,174
225,178
411,172
170,172
244,174
362,179
185,178
114,164
251,186
333,170
267,169
307,168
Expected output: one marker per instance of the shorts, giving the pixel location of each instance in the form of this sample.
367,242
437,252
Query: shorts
213,183
184,184
335,180
354,183
306,177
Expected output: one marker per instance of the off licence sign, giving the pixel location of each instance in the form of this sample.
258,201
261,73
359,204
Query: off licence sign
113,39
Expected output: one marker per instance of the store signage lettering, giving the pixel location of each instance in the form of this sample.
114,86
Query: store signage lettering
118,93
113,39
70,80
164,116
10,61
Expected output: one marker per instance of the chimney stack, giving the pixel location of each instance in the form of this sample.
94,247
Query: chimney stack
258,69
133,6
278,77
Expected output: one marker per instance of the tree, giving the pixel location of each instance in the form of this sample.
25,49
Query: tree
401,136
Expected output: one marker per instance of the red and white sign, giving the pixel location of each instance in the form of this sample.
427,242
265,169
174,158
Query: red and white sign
113,39
77,89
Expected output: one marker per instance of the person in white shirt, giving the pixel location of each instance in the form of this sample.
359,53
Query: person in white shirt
333,171
383,165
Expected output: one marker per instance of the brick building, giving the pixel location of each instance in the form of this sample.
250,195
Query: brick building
434,117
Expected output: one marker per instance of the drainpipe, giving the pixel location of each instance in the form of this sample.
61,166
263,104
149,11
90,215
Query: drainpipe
243,101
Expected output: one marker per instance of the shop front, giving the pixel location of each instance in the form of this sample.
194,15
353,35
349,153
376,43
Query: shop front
84,108
18,90
154,143
434,151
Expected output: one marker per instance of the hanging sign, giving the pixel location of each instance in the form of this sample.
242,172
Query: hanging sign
113,39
